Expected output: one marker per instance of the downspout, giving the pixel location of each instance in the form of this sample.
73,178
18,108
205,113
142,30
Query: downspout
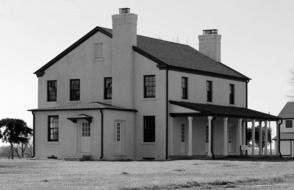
278,139
34,136
102,129
212,134
166,116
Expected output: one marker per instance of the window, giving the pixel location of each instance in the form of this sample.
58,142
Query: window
206,134
149,128
74,89
184,88
232,94
86,130
183,133
51,90
53,129
149,86
230,135
289,124
209,91
98,50
107,88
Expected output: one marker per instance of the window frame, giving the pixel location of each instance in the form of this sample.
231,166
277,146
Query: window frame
184,85
71,90
151,87
86,129
49,99
232,94
287,122
52,129
151,130
209,91
106,95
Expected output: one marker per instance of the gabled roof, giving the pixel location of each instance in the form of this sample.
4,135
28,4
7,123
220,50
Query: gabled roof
287,111
223,111
168,55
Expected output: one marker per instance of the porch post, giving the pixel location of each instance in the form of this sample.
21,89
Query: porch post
278,139
209,153
240,134
244,133
265,138
225,136
260,138
253,136
172,137
190,121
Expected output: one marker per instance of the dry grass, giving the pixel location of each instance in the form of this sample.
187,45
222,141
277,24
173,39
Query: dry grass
186,174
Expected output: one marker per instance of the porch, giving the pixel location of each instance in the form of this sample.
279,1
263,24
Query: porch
205,130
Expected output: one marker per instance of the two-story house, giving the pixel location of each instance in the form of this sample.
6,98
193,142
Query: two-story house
287,130
114,94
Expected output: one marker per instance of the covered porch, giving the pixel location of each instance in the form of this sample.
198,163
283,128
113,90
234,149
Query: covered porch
198,130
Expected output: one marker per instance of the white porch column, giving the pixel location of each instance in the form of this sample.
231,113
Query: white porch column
240,134
244,132
209,153
278,139
265,138
225,136
172,137
253,136
190,123
260,138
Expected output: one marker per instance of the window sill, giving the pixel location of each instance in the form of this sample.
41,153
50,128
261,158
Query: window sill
148,143
149,99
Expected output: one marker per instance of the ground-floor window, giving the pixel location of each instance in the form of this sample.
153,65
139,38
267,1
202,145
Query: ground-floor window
149,129
53,128
183,133
206,134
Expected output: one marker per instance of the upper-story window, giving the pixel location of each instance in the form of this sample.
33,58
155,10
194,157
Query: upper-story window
74,92
184,87
209,89
98,50
232,94
107,88
289,124
53,128
149,86
51,90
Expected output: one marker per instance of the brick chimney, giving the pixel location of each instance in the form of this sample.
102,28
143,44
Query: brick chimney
210,44
124,37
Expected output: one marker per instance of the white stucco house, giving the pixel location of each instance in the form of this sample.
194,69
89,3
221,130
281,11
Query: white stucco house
287,130
115,94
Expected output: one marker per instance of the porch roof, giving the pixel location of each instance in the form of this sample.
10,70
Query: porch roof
81,116
216,110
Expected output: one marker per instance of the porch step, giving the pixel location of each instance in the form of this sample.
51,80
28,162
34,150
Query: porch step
185,157
72,159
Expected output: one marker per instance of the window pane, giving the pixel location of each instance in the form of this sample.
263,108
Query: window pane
209,91
51,90
149,86
75,89
232,94
183,133
86,130
184,88
53,129
107,88
149,128
288,123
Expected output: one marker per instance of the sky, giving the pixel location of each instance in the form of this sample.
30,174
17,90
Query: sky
257,40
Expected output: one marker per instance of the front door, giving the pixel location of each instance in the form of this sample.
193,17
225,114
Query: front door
119,136
85,137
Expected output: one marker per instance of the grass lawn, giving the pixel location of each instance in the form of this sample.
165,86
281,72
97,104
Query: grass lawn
139,175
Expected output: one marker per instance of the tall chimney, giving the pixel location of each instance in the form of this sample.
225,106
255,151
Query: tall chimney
210,44
124,37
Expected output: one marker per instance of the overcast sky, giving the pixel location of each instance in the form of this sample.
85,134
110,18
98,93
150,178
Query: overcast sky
257,40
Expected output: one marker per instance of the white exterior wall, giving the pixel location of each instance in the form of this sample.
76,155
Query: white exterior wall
68,145
150,106
78,64
197,89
